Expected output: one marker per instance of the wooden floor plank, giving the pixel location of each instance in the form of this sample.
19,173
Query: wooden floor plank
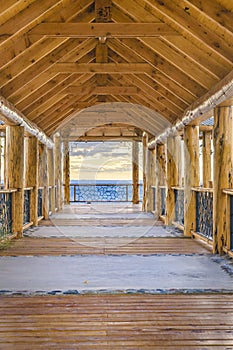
117,322
118,246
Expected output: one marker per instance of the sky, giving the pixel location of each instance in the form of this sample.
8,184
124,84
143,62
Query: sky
102,161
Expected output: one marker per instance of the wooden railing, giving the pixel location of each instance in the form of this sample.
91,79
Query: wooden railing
40,203
229,223
204,213
179,206
6,213
27,208
101,192
162,209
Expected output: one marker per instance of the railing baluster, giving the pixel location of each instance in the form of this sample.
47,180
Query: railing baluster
204,212
100,192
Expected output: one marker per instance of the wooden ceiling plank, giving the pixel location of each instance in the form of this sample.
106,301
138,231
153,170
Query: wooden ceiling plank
152,94
108,30
35,95
163,66
107,68
160,89
27,18
54,99
10,8
200,57
64,114
181,84
32,73
181,20
48,75
20,42
44,89
54,111
142,7
215,12
31,57
157,76
182,62
103,90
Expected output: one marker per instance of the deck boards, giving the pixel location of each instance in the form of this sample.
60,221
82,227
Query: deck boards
117,246
117,322
113,321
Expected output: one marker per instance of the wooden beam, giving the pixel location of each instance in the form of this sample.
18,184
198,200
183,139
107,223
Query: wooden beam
192,178
58,170
160,179
31,176
223,174
135,172
66,172
126,68
15,173
107,30
103,11
13,115
172,176
104,138
145,174
103,90
206,158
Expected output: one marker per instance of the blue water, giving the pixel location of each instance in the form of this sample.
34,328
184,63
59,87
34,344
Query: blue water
102,191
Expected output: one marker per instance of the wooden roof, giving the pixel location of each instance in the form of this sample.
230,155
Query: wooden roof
59,57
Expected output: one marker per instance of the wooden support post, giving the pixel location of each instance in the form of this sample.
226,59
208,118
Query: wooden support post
66,172
160,179
51,174
145,168
151,180
15,173
173,157
223,171
192,176
58,170
44,178
31,176
206,159
135,171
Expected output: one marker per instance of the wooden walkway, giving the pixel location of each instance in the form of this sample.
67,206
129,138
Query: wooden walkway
113,321
117,322
103,246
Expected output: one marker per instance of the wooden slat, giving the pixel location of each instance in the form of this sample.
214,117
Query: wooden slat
103,246
96,30
117,322
127,68
103,90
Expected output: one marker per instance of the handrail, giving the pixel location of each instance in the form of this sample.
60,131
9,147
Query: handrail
10,190
203,189
228,191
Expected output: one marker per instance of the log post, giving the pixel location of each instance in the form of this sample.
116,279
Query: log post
151,180
160,176
144,195
66,172
31,176
206,158
58,170
192,176
173,158
15,174
223,171
51,174
44,178
135,171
